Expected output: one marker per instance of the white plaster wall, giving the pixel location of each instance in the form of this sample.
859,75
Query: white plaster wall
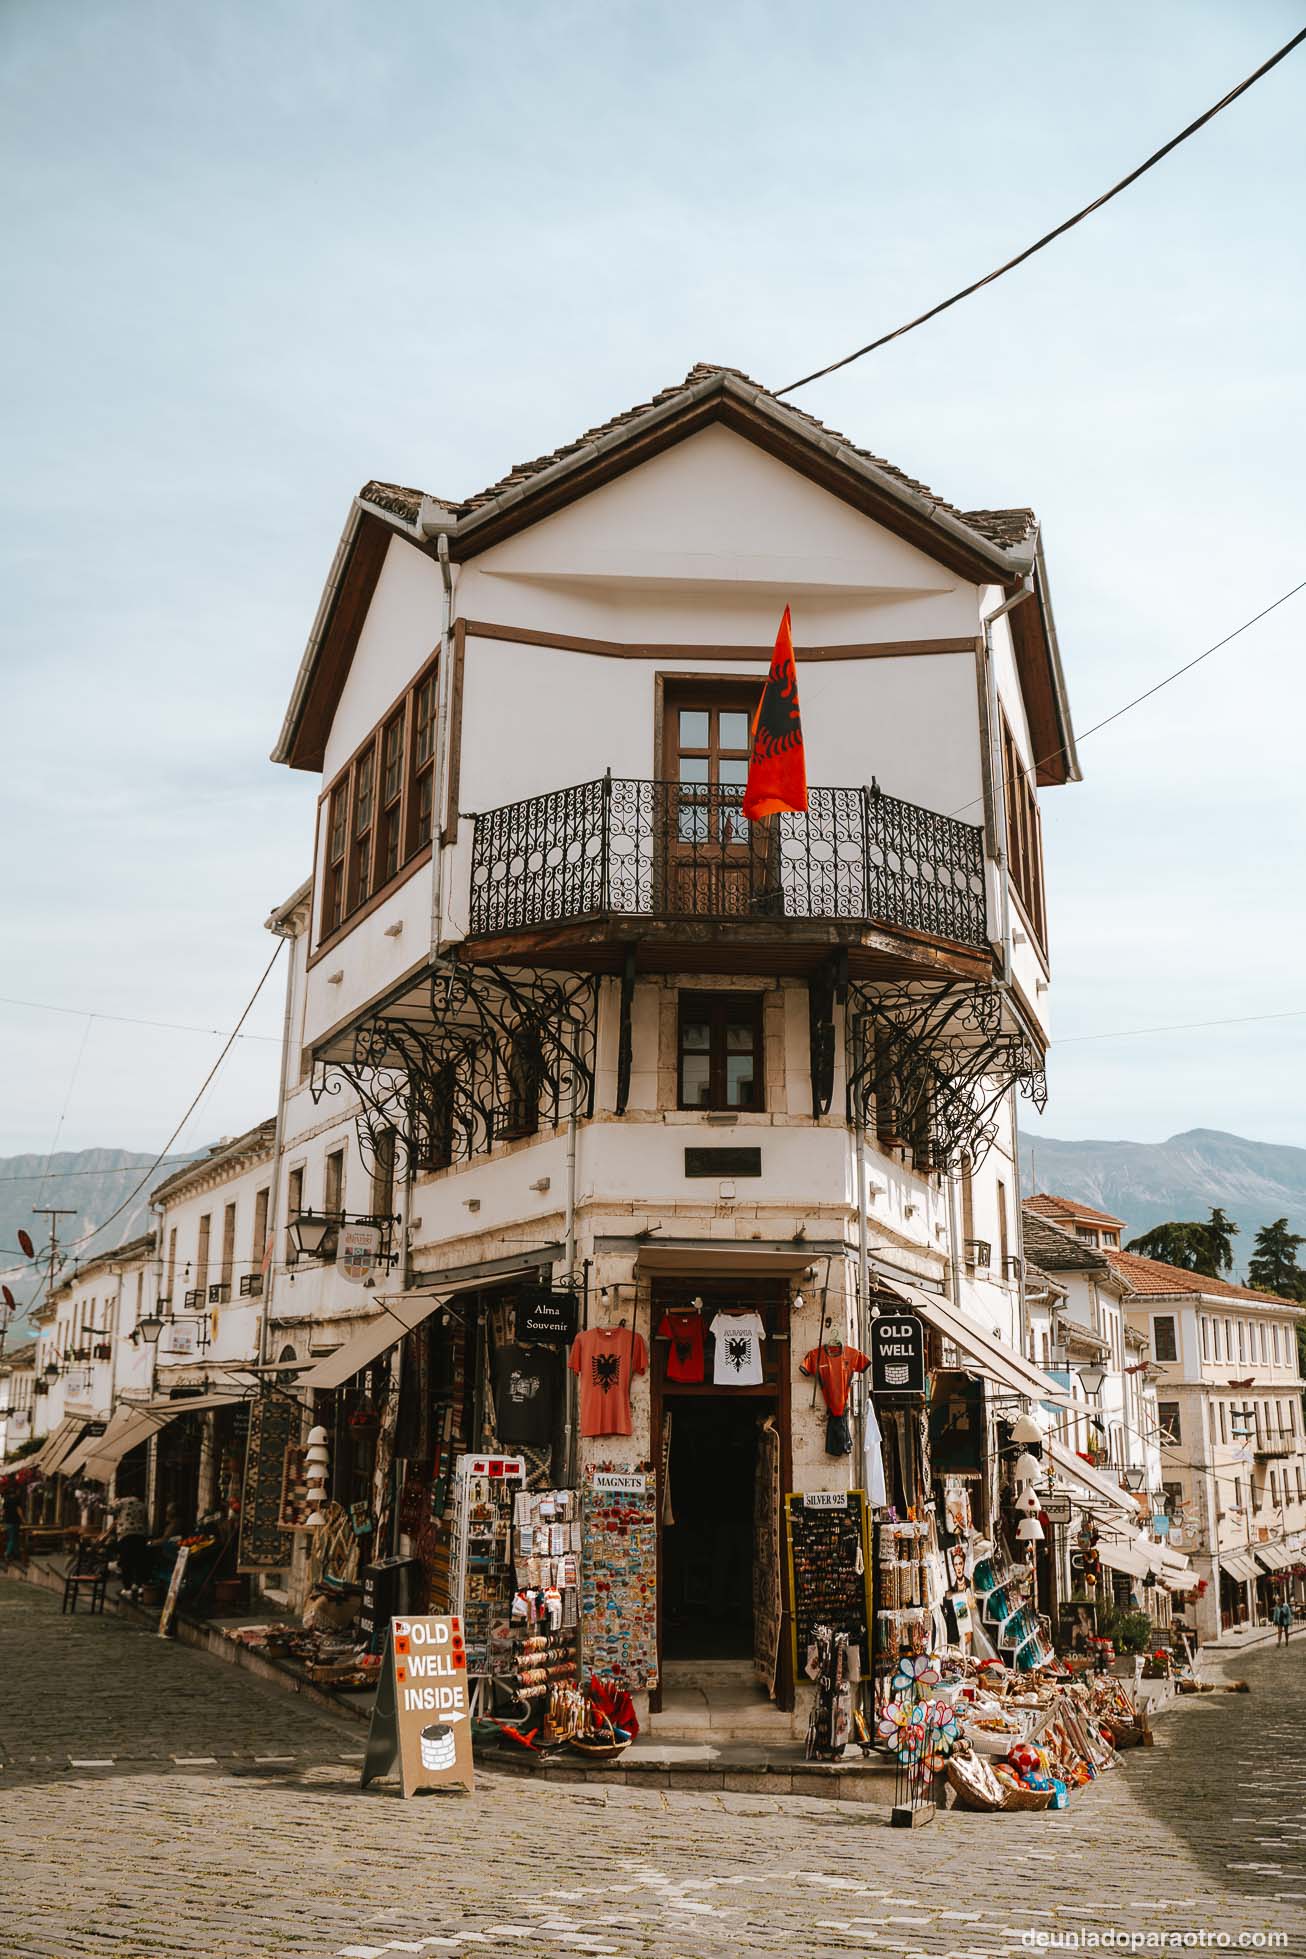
401,632
366,962
232,1326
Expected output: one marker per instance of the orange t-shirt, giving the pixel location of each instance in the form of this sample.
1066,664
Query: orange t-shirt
606,1359
834,1367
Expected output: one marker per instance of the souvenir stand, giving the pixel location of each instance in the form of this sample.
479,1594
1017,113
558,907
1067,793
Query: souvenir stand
830,1589
485,1489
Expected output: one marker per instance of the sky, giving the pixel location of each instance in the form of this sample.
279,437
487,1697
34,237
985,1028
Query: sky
260,253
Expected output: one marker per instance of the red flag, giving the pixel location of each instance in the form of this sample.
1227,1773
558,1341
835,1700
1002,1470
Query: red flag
777,766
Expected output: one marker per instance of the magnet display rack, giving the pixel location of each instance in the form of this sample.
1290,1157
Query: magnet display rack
484,1491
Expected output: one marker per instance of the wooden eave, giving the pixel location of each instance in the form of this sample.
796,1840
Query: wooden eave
306,748
1037,672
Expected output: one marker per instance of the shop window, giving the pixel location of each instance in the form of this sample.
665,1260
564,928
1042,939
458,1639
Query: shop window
1206,1337
1167,1413
1164,1343
720,1062
1024,835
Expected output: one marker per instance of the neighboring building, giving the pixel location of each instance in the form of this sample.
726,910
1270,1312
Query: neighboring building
604,1035
1230,1414
1081,1221
17,1397
1113,1425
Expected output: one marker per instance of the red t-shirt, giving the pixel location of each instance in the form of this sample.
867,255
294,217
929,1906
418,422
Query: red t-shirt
834,1367
606,1358
685,1358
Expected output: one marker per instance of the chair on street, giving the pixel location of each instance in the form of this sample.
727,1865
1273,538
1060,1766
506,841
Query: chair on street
88,1572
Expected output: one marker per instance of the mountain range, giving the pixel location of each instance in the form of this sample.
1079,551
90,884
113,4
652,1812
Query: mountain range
92,1183
1151,1183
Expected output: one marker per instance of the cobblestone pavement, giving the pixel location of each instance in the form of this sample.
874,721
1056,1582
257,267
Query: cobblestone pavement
242,1854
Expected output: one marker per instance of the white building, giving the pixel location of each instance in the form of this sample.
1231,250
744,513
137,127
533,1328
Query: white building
1232,1449
17,1397
603,1035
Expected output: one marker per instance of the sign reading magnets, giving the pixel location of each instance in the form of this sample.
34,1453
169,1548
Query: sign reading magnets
422,1717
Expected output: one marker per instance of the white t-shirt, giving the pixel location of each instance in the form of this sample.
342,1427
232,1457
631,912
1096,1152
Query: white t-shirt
739,1338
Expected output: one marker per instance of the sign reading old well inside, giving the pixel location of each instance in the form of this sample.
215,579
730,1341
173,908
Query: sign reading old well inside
422,1717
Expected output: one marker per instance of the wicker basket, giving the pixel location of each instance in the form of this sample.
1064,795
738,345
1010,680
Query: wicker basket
601,1747
1027,1798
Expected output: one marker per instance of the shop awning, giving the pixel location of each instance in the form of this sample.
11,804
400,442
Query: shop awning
57,1444
1176,1573
728,1259
1120,1556
997,1363
1091,1481
396,1317
1240,1565
1272,1557
135,1422
82,1448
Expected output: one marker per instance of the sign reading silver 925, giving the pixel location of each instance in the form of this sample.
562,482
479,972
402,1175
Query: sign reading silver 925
897,1355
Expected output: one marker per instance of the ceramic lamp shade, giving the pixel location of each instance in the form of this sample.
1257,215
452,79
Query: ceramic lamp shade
1025,1430
317,1452
1028,1468
1027,1501
1029,1531
317,1435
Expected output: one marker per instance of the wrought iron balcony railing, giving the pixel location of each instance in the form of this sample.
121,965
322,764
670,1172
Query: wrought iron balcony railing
684,850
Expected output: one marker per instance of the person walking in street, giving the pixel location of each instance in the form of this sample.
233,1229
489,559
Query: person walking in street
132,1542
13,1526
1282,1617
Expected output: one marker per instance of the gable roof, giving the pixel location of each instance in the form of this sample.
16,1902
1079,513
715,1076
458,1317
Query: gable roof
983,546
1054,1250
1153,1276
1046,1206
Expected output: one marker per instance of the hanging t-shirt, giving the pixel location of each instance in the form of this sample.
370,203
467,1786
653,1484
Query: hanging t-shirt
834,1368
738,1338
525,1393
605,1360
685,1357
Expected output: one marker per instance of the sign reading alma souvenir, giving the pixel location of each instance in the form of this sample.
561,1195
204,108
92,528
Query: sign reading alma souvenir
897,1355
357,1250
422,1717
546,1316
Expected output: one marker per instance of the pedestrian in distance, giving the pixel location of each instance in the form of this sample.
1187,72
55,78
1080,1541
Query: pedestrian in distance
132,1541
1282,1617
13,1526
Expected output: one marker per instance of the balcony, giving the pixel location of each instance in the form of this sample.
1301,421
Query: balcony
1273,1444
621,848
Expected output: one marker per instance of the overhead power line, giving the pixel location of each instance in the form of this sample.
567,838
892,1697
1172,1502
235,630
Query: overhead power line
1029,770
194,1104
1050,237
127,1020
1178,1027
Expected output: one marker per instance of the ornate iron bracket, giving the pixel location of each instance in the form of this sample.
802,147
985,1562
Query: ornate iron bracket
487,1053
823,990
624,1039
936,1064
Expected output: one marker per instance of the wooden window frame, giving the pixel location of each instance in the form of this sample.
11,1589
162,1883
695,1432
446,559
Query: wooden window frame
1024,838
259,1241
1169,1319
434,1124
373,833
716,1009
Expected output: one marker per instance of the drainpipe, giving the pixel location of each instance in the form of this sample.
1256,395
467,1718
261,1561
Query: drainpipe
572,1138
955,1247
996,799
286,932
439,785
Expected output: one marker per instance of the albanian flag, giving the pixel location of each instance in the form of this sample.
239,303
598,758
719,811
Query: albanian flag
777,766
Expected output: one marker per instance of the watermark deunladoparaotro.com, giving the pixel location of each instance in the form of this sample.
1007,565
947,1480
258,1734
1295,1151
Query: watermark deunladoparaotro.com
1114,1938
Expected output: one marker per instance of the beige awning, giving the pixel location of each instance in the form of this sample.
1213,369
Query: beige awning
84,1447
994,1360
729,1259
135,1422
396,1317
1273,1556
1120,1556
1240,1565
57,1445
1091,1481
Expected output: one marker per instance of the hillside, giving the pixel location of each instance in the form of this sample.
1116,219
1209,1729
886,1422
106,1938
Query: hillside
91,1182
1149,1183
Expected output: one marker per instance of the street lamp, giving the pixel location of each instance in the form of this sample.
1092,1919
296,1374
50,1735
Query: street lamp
51,1371
1134,1479
1091,1379
310,1231
149,1329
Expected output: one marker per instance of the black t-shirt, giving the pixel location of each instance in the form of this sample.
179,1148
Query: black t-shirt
525,1393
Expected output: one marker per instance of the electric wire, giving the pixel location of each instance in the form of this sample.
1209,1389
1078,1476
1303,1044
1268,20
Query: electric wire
1059,231
198,1097
129,1020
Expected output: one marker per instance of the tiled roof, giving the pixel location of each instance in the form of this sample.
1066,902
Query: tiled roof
1152,1275
1054,1250
1066,1207
1005,528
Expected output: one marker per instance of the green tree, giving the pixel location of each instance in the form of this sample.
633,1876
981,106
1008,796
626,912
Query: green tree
1273,1265
1193,1247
